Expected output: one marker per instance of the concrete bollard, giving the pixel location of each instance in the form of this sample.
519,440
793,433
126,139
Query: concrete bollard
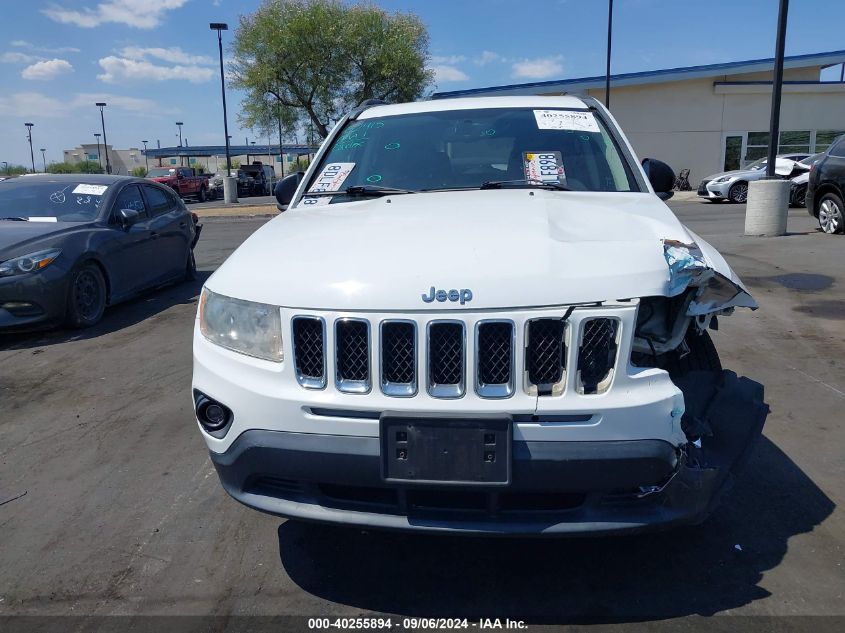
768,207
230,189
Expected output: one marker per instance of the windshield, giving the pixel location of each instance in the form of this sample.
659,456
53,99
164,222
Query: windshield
161,172
50,200
757,164
464,149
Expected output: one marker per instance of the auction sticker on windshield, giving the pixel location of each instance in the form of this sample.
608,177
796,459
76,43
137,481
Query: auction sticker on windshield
566,120
316,201
91,190
544,166
332,177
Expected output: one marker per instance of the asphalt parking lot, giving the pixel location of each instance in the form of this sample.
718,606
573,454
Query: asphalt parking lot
111,506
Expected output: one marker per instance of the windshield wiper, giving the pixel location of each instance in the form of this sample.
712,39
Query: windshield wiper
360,190
16,219
523,183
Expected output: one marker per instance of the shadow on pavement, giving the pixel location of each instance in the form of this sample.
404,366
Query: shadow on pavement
692,570
116,318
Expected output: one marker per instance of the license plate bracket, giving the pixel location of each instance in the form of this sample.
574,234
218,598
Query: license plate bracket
446,450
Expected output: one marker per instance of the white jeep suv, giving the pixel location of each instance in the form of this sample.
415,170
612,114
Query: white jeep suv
475,315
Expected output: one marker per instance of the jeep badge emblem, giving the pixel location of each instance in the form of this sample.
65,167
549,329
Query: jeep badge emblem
464,295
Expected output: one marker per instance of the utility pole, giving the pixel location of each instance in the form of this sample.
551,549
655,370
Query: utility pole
29,136
777,87
146,162
44,158
102,105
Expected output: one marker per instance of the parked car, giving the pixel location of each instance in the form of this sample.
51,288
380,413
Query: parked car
256,180
798,189
733,185
826,188
70,245
183,180
477,317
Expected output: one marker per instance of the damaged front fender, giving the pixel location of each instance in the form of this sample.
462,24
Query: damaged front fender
699,265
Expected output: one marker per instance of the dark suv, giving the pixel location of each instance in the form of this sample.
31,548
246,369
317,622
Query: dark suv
826,189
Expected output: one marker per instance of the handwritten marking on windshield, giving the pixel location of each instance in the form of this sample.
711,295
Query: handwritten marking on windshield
58,197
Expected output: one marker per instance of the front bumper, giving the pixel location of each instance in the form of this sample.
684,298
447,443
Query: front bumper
714,190
557,488
45,291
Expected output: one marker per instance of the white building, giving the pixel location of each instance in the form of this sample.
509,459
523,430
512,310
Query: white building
122,161
714,117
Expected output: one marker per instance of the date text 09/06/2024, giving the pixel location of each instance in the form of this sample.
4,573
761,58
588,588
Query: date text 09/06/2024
412,624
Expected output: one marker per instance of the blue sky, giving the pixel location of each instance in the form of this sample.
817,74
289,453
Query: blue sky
154,61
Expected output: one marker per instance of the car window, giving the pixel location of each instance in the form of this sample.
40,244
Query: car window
466,148
159,202
839,148
130,198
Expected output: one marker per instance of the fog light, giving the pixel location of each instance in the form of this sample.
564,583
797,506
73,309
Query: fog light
22,308
215,415
212,415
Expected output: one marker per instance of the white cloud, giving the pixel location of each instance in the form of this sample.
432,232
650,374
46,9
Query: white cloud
18,58
36,104
49,69
448,73
174,54
447,59
43,49
142,14
487,57
540,68
122,69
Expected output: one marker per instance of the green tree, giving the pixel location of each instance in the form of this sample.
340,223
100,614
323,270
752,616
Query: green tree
13,170
82,167
321,58
140,172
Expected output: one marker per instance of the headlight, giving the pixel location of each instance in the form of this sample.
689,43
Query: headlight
28,263
254,329
723,179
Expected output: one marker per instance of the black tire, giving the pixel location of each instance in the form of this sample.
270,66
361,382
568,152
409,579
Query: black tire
831,213
702,355
738,193
800,197
191,267
86,296
201,195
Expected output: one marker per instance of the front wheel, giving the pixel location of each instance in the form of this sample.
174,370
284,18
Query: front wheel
201,195
831,212
87,297
800,197
738,193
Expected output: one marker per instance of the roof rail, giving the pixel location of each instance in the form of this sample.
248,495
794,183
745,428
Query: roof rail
365,105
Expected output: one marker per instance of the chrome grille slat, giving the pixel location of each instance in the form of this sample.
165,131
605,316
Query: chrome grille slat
352,355
309,351
398,353
446,358
597,353
494,364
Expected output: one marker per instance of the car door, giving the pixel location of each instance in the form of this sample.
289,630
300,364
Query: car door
128,250
169,226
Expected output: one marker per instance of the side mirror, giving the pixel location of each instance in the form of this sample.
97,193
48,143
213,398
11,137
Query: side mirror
661,177
127,217
285,189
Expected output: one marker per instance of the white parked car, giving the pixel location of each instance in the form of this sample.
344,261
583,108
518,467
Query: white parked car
475,315
733,185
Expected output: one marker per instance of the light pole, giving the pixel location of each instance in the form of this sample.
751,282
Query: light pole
220,27
97,135
102,105
6,167
179,124
44,159
146,163
29,136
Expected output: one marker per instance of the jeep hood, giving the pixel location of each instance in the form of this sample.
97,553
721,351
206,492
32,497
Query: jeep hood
511,248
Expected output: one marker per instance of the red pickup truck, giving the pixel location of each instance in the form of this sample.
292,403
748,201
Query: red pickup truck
183,180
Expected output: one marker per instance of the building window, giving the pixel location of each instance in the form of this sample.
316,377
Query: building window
757,146
825,137
794,143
